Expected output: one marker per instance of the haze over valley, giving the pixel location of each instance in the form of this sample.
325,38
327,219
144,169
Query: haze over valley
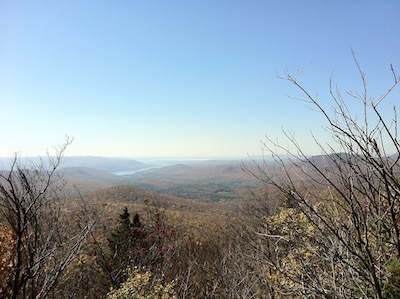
199,149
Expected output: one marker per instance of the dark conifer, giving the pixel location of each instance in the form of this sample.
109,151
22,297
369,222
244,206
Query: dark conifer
123,243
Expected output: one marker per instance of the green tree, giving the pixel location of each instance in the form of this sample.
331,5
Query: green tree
124,244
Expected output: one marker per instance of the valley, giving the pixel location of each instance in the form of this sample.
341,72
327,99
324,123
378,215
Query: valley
205,181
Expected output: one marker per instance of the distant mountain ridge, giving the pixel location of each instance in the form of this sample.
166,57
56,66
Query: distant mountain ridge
196,172
86,179
86,173
103,163
100,163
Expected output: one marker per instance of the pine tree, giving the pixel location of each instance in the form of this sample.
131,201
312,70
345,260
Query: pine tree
123,243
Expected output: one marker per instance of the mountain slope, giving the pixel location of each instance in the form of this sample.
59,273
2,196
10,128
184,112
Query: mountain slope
84,179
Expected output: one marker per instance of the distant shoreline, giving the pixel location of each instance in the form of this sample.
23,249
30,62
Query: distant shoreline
133,171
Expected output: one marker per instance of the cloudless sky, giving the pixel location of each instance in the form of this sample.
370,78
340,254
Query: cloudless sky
191,79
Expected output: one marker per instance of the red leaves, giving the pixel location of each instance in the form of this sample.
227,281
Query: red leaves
149,241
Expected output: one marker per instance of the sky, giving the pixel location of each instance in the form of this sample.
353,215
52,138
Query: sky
187,79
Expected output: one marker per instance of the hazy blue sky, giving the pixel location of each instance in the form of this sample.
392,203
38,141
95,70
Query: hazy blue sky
180,78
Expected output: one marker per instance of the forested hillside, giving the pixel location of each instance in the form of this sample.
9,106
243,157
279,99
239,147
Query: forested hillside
325,226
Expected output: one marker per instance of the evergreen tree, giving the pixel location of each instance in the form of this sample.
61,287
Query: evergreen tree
123,243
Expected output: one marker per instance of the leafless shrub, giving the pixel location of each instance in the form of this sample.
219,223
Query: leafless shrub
47,237
345,204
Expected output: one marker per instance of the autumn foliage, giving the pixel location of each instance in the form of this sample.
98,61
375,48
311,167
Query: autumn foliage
337,234
7,251
317,227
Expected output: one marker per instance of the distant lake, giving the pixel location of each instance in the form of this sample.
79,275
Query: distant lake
133,171
159,163
129,172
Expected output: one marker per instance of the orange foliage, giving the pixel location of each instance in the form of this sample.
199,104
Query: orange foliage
7,244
